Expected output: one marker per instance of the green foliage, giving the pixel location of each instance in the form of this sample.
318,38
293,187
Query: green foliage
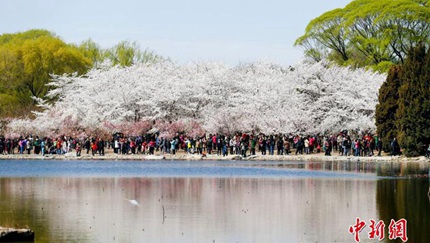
326,31
20,37
413,114
386,109
27,60
93,51
7,102
126,54
123,54
368,32
382,66
404,103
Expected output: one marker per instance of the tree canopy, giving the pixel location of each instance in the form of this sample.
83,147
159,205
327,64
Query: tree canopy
413,113
126,54
403,111
306,98
375,33
29,59
386,109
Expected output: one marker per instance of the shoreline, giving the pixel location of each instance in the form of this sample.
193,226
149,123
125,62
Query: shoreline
195,157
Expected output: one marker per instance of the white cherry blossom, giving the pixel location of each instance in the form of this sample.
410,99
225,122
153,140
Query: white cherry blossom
306,98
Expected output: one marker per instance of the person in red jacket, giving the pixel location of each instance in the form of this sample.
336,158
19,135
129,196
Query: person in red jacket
94,147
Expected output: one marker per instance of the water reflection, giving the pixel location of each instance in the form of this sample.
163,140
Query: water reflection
195,209
385,169
406,199
220,169
418,169
217,206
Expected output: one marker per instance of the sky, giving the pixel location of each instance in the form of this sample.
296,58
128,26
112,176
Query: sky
186,31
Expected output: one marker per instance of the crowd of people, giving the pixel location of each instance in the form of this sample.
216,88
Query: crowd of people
243,144
59,146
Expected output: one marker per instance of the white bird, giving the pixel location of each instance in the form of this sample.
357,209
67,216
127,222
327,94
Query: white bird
132,201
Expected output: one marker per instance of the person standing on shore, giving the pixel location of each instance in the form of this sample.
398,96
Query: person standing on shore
237,144
199,145
29,145
101,147
219,145
357,145
9,146
231,144
94,147
42,147
209,145
286,146
299,146
59,145
64,146
116,146
306,142
271,145
253,144
280,145
188,145
152,145
87,145
166,146
2,146
244,147
379,146
133,146
311,144
394,147
342,146
173,146
37,145
21,145
224,147
214,142
327,146
262,145
78,149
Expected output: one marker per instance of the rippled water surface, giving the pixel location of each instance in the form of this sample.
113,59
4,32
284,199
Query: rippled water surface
211,201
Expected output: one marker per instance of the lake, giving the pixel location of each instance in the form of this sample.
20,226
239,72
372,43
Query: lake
212,201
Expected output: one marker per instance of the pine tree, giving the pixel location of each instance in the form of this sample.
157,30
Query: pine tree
387,107
413,113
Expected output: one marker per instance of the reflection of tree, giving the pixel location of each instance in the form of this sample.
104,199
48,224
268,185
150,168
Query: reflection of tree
405,198
403,169
348,166
17,210
250,208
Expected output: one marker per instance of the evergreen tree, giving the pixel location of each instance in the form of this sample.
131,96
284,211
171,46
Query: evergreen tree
387,107
413,113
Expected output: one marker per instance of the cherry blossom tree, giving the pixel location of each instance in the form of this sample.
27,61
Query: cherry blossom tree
210,97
